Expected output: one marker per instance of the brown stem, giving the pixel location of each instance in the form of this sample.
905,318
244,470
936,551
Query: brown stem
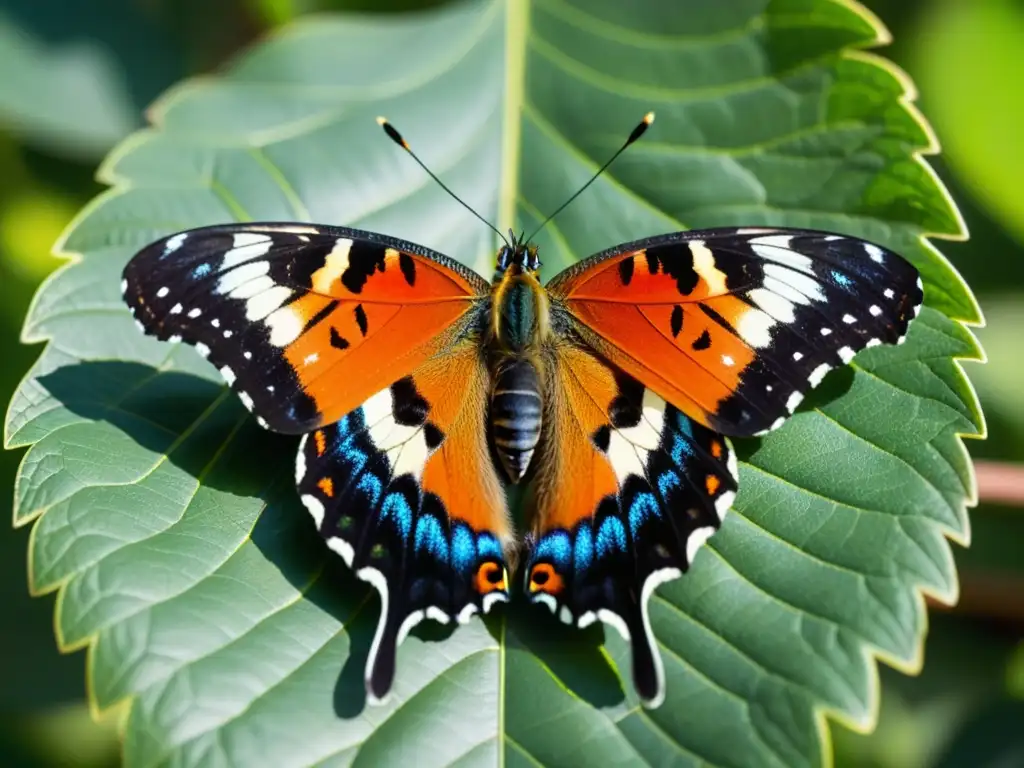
1000,482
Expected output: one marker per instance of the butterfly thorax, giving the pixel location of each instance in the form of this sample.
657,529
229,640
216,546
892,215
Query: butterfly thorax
519,325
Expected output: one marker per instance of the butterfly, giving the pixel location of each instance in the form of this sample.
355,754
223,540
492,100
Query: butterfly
422,391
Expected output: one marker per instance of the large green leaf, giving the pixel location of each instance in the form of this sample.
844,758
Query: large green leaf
166,520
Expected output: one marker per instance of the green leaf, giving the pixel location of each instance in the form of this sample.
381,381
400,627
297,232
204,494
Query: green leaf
167,522
70,98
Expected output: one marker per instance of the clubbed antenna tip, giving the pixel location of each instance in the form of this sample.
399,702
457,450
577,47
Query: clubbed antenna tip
394,135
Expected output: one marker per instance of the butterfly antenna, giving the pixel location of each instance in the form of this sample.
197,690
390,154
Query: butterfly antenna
396,137
636,134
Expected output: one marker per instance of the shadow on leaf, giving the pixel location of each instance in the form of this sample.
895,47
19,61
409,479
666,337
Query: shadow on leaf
574,657
205,432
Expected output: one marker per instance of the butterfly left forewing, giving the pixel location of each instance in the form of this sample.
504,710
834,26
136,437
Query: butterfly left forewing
735,326
404,489
627,489
305,322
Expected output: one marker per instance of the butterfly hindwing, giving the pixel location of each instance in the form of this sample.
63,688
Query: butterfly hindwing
627,489
404,489
305,322
734,326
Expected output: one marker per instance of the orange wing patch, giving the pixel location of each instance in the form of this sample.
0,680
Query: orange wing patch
655,313
573,476
734,326
304,322
460,472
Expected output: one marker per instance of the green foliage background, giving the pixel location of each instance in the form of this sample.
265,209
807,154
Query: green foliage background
975,666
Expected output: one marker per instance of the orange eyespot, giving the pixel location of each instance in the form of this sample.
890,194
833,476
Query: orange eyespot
544,578
716,449
712,483
326,485
490,577
320,441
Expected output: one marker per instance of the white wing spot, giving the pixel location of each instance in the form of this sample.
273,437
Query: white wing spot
248,238
873,343
300,460
826,331
491,598
215,323
798,356
846,354
254,247
776,248
285,326
849,319
174,339
316,509
231,280
174,243
343,548
246,400
793,401
202,349
799,281
875,310
309,359
228,374
889,293
779,288
438,615
778,307
728,361
818,374
696,540
247,355
159,294
176,309
227,334
755,326
874,252
263,304
194,313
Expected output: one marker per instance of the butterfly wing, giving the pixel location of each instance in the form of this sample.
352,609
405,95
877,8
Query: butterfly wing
734,326
666,343
355,339
627,489
404,489
304,322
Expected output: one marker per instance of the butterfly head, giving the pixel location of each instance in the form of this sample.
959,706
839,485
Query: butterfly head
518,256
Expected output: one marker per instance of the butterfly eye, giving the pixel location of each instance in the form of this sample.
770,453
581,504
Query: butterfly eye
490,577
544,578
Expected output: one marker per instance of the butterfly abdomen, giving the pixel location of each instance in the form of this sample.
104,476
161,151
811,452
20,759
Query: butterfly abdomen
516,415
